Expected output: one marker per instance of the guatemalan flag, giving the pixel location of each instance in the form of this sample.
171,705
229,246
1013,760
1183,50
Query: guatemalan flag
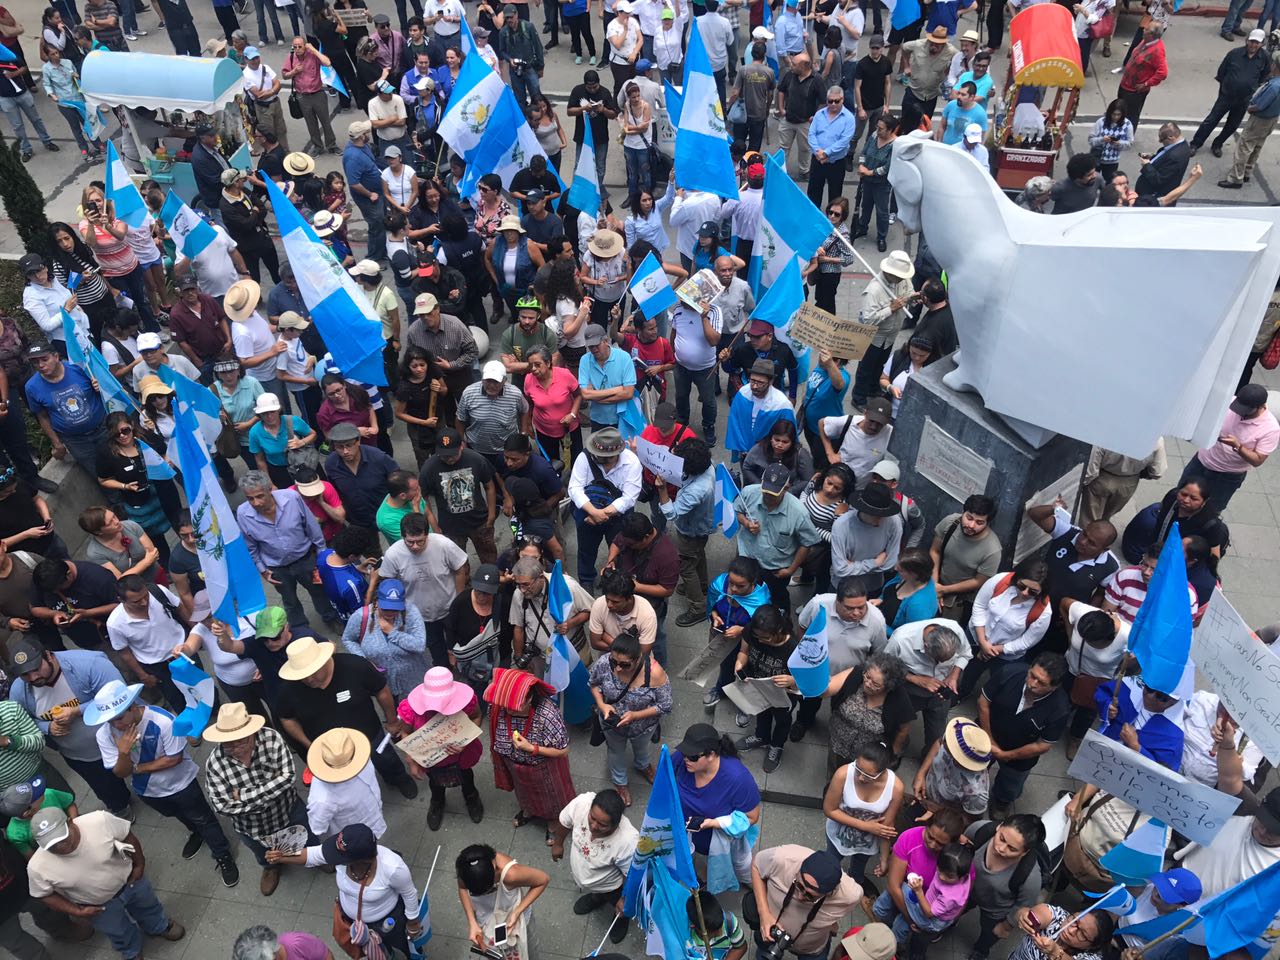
650,287
78,343
751,419
339,309
675,101
197,689
810,661
584,192
92,120
1117,901
566,672
418,945
157,467
235,589
1241,915
122,191
702,144
114,395
661,873
903,13
790,226
1160,637
471,106
1139,855
726,493
631,418
505,148
199,399
190,232
778,306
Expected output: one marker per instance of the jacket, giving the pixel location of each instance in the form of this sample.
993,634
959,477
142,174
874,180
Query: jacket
1240,74
1165,171
1146,68
207,166
522,43
86,672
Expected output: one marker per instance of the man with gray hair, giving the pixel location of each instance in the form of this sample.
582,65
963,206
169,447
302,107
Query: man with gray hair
1035,196
533,623
935,653
830,134
283,538
262,943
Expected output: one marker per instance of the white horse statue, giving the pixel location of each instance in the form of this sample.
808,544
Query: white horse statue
1114,326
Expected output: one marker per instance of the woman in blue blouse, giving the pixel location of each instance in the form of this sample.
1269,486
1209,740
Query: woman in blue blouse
911,595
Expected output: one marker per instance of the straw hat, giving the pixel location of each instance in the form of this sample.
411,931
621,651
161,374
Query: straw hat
326,222
510,222
896,264
605,244
339,754
439,692
242,299
151,385
305,656
234,722
298,164
968,744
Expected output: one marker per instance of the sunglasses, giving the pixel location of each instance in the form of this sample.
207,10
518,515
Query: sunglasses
623,664
124,431
1032,592
834,213
830,102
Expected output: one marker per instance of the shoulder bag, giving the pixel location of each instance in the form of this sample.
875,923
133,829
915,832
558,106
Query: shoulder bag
307,457
597,728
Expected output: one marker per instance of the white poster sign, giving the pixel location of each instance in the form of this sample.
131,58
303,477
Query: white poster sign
1243,670
1194,810
660,461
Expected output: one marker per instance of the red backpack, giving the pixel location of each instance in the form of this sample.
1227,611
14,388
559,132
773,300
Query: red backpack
1037,608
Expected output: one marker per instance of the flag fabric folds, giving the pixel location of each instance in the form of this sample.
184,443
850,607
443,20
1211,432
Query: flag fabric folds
631,418
675,102
471,105
903,13
197,689
651,289
338,308
782,299
752,602
1139,855
584,192
661,874
157,467
726,493
1241,914
114,396
235,588
76,346
750,420
702,142
566,673
790,226
199,398
1161,633
810,661
190,232
92,120
418,944
122,191
505,146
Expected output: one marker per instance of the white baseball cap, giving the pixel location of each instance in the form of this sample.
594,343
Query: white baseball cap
1257,36
494,370
973,133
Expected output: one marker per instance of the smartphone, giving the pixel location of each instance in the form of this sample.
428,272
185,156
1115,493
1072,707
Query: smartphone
1034,922
693,823
500,935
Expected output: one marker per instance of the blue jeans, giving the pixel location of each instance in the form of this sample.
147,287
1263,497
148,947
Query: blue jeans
128,16
706,383
1235,13
886,911
525,85
14,108
640,177
133,907
616,743
590,536
1222,486
297,818
264,7
373,214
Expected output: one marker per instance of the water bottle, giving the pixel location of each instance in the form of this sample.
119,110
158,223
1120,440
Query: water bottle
388,925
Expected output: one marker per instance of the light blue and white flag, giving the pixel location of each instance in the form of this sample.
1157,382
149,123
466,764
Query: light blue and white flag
778,307
122,191
466,40
505,148
651,289
751,419
92,122
235,588
1117,901
7,55
1139,855
702,143
77,342
338,308
418,945
1240,916
566,672
1160,637
157,467
242,159
631,418
190,232
114,396
903,13
198,398
675,101
790,226
471,106
810,661
584,192
197,689
329,77
726,493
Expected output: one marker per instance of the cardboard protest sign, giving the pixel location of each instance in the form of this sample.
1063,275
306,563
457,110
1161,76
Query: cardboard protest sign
843,339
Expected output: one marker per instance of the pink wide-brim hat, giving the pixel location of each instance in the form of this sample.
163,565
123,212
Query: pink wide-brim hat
439,692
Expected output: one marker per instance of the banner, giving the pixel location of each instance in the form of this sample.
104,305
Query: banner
1243,670
1194,810
843,339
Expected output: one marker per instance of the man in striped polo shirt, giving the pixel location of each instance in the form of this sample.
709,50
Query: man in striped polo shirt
490,411
1127,588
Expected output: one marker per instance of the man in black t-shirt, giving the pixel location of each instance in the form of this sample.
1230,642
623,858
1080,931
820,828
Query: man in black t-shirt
461,486
535,175
321,690
76,596
541,226
593,100
871,86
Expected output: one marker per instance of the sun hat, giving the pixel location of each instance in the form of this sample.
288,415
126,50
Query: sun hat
113,699
326,222
234,722
308,484
968,744
271,621
939,34
298,164
305,656
875,500
971,35
439,692
605,443
391,594
337,755
874,941
215,47
510,222
49,827
509,687
242,299
266,403
606,244
898,264
151,385
18,798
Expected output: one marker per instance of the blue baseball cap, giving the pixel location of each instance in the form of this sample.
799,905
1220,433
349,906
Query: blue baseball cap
1177,886
251,52
391,594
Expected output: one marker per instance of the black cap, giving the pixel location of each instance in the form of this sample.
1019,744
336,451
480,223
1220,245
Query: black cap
523,490
776,479
1269,811
1250,397
24,653
824,867
878,410
449,441
487,579
205,129
39,350
699,739
31,263
351,844
188,282
709,228
534,195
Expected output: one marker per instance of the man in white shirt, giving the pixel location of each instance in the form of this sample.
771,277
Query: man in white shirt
138,744
344,785
445,18
389,118
531,620
217,267
859,442
935,653
252,338
604,485
262,87
695,337
689,211
717,36
144,629
603,845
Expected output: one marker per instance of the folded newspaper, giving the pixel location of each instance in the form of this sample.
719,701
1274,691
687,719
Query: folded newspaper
702,287
752,695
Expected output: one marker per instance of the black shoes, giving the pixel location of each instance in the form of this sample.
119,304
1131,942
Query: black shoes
192,846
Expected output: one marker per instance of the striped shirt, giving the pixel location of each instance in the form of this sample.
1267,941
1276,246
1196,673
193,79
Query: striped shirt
259,797
490,420
1126,590
92,287
823,515
21,756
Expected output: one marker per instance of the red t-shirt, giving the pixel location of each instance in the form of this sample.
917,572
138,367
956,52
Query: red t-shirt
656,436
648,355
328,525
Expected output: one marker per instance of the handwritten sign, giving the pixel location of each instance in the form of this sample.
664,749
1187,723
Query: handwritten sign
843,339
1031,535
1194,810
427,744
357,17
949,465
660,461
1243,670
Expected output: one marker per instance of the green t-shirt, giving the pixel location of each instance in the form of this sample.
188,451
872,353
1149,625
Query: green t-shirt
389,517
515,342
19,831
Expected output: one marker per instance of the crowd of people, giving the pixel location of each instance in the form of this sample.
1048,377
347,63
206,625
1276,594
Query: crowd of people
423,542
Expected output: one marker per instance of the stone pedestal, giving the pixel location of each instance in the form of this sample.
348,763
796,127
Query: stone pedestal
950,446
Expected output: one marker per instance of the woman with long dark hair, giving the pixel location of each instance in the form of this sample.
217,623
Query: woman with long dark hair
496,890
1189,506
780,445
153,504
462,249
71,255
413,403
826,499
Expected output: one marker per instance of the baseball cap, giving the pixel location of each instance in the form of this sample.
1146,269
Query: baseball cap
39,350
384,87
391,594
1178,886
425,303
1248,399
1257,36
270,623
358,128
48,827
188,282
824,867
643,66
664,415
479,32
534,195
698,739
449,440
668,13
30,263
24,653
886,470
755,171
231,175
709,228
365,268
878,410
594,335
759,328
17,798
289,320
392,151
877,40
494,370
486,579
251,53
973,133
351,844
149,341
776,479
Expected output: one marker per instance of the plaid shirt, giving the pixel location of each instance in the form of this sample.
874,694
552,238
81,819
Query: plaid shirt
258,798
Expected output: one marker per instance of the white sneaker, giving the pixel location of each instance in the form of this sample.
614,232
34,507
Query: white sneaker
131,36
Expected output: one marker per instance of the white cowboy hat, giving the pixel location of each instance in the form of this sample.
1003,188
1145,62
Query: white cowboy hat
305,656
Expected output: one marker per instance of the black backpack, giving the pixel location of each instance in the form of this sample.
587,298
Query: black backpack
601,491
1038,856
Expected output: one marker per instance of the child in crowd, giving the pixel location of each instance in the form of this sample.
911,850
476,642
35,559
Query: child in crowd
725,936
937,907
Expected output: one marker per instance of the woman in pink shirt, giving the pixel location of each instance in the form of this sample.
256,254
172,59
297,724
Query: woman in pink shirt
916,852
107,237
322,500
555,398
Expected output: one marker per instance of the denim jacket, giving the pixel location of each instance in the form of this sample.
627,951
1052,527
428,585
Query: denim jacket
693,509
86,672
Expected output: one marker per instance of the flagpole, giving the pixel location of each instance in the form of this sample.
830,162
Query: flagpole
702,923
432,872
1165,936
600,945
875,274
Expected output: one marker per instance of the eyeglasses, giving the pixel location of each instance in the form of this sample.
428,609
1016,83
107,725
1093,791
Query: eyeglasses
124,431
829,102
623,664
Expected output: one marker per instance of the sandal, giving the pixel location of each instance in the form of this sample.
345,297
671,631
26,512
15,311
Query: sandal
520,819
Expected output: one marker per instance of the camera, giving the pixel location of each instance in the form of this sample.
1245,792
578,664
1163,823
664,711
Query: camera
777,949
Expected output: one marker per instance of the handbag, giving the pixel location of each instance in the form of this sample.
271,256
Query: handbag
227,445
597,728
303,458
295,104
1271,356
1104,26
738,112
